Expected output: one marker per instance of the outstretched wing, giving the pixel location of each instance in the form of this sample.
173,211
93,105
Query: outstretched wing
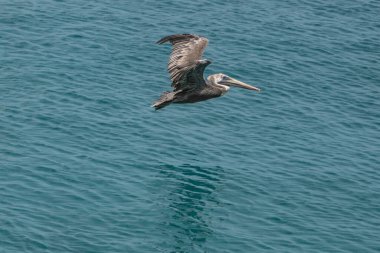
185,64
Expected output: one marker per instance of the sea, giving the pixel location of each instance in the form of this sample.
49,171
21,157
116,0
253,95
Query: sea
86,165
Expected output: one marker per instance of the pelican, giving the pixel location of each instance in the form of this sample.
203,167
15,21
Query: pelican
186,68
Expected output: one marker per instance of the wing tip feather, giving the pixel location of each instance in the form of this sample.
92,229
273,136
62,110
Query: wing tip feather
172,38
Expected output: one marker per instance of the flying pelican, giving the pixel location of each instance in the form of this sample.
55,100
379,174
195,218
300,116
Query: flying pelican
186,72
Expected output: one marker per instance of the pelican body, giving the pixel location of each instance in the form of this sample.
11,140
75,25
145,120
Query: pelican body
186,68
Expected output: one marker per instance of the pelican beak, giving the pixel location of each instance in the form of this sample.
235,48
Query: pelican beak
233,82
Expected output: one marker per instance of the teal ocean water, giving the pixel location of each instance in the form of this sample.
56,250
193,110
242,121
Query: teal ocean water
87,166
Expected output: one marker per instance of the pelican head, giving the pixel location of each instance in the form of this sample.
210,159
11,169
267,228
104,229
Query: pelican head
224,80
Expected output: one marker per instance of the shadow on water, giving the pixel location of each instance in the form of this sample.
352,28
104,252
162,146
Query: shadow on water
188,199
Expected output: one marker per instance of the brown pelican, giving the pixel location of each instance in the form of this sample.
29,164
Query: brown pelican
186,72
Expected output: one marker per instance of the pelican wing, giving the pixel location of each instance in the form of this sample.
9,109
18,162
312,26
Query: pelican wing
185,65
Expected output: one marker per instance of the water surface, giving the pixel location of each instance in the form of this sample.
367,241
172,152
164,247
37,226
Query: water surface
87,166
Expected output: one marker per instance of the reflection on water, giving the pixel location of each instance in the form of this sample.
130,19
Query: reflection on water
188,199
